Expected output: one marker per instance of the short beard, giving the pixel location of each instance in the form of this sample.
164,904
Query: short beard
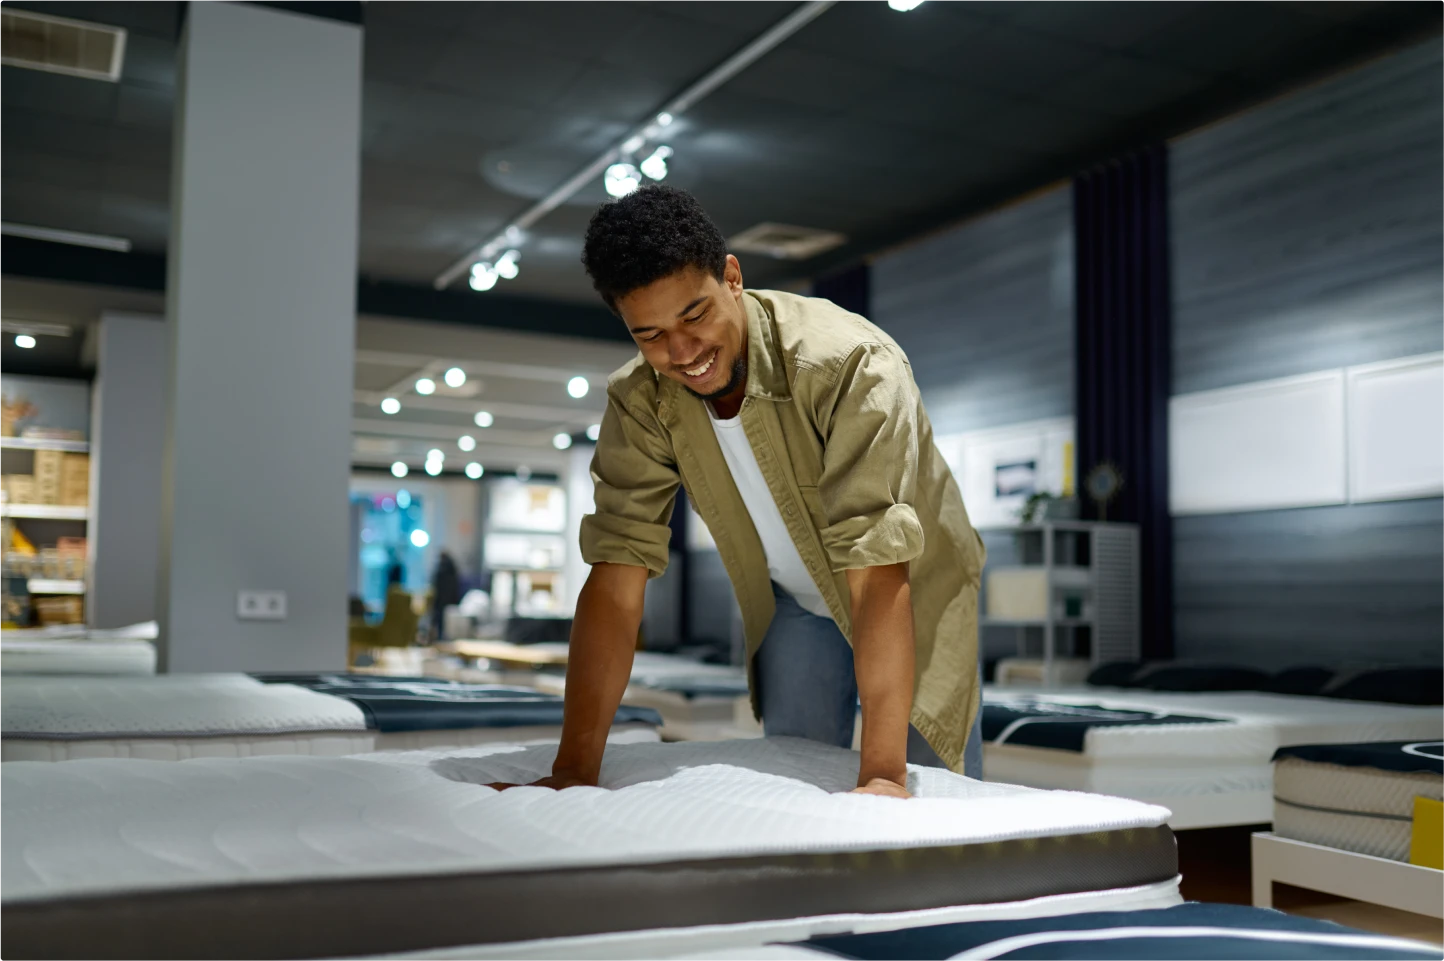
738,378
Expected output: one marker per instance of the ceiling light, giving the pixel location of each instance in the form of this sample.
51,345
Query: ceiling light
425,386
506,266
475,470
391,406
594,432
655,166
483,418
578,387
420,538
403,499
633,145
433,467
514,234
98,241
903,6
455,377
483,277
621,179
467,442
523,473
25,341
664,119
399,469
435,454
562,441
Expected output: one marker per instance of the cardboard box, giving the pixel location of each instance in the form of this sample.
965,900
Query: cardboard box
75,480
49,467
20,488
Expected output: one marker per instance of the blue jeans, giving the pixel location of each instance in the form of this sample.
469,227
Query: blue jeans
807,688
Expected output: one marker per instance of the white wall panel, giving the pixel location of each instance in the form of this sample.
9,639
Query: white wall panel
1396,429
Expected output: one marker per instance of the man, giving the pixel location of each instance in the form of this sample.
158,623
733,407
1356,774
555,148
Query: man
797,432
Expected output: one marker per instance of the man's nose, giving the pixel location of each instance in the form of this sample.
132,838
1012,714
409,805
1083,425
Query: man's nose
684,349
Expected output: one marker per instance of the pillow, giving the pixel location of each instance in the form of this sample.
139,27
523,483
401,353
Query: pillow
1395,685
1115,674
1210,677
1303,681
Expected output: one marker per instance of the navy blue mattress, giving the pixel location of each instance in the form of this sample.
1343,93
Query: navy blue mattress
1408,757
426,704
1063,727
1187,931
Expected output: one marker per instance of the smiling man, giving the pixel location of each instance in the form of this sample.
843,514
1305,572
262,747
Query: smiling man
798,433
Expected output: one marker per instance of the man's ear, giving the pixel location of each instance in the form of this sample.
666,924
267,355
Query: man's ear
732,275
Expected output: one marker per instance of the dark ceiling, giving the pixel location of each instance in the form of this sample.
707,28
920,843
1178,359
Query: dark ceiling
877,124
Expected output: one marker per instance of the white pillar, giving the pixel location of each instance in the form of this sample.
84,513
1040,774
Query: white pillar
261,307
127,437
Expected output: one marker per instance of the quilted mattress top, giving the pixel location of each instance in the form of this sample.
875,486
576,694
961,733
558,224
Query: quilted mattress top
166,705
107,826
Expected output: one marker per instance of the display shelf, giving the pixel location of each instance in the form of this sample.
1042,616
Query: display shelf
33,443
1038,622
41,585
51,512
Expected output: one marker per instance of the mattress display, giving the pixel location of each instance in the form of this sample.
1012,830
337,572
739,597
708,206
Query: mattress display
1356,797
76,656
172,717
1215,744
392,852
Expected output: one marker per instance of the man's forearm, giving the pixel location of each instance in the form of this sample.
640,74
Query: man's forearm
599,665
883,657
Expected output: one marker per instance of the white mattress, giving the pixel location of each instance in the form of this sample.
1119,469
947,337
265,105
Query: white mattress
1194,766
91,827
76,656
1371,811
172,717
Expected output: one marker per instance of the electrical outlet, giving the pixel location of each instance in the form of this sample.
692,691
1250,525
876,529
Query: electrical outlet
261,605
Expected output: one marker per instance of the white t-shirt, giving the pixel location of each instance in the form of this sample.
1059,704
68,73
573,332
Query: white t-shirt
784,564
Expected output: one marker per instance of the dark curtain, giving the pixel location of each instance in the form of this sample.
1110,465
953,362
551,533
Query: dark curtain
850,289
1123,307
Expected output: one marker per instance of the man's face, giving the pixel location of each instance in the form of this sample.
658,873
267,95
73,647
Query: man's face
692,329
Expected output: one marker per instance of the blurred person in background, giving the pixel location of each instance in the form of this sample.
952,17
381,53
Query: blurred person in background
445,592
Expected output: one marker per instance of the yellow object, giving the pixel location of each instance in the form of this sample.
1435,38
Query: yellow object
397,627
19,543
1426,846
1068,469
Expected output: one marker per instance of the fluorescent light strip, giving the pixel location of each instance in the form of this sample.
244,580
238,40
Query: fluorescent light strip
72,237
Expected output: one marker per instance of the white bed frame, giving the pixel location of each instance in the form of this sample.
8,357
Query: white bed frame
1362,877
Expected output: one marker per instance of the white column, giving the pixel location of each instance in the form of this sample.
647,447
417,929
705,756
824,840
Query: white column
261,307
127,440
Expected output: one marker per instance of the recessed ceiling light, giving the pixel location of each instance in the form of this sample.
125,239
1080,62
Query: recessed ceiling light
25,341
391,406
467,442
664,119
483,419
435,454
578,387
399,469
562,441
455,377
903,6
475,470
420,538
425,386
433,467
594,432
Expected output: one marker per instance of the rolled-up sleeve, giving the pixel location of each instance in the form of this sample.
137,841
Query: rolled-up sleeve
636,483
869,466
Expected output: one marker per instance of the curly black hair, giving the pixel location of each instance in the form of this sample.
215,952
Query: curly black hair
649,234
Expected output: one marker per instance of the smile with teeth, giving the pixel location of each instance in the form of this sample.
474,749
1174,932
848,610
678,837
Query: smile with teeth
701,370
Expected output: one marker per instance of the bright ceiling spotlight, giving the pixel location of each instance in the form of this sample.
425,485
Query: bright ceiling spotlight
435,454
655,166
467,442
391,406
483,277
483,418
506,266
903,6
562,441
621,179
433,467
455,377
475,470
419,538
25,341
594,432
664,119
426,386
399,469
578,387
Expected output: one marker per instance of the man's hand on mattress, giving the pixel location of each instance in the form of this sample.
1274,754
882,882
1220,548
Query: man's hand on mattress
557,782
883,787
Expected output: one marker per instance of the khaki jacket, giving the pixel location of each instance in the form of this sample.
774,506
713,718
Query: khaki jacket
839,431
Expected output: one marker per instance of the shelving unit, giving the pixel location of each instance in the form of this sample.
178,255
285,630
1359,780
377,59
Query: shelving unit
41,585
45,512
51,579
29,443
1093,564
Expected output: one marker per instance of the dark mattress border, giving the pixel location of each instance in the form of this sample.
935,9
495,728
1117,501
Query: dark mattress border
335,917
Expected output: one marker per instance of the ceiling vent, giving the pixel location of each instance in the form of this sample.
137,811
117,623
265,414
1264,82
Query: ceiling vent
785,242
58,45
